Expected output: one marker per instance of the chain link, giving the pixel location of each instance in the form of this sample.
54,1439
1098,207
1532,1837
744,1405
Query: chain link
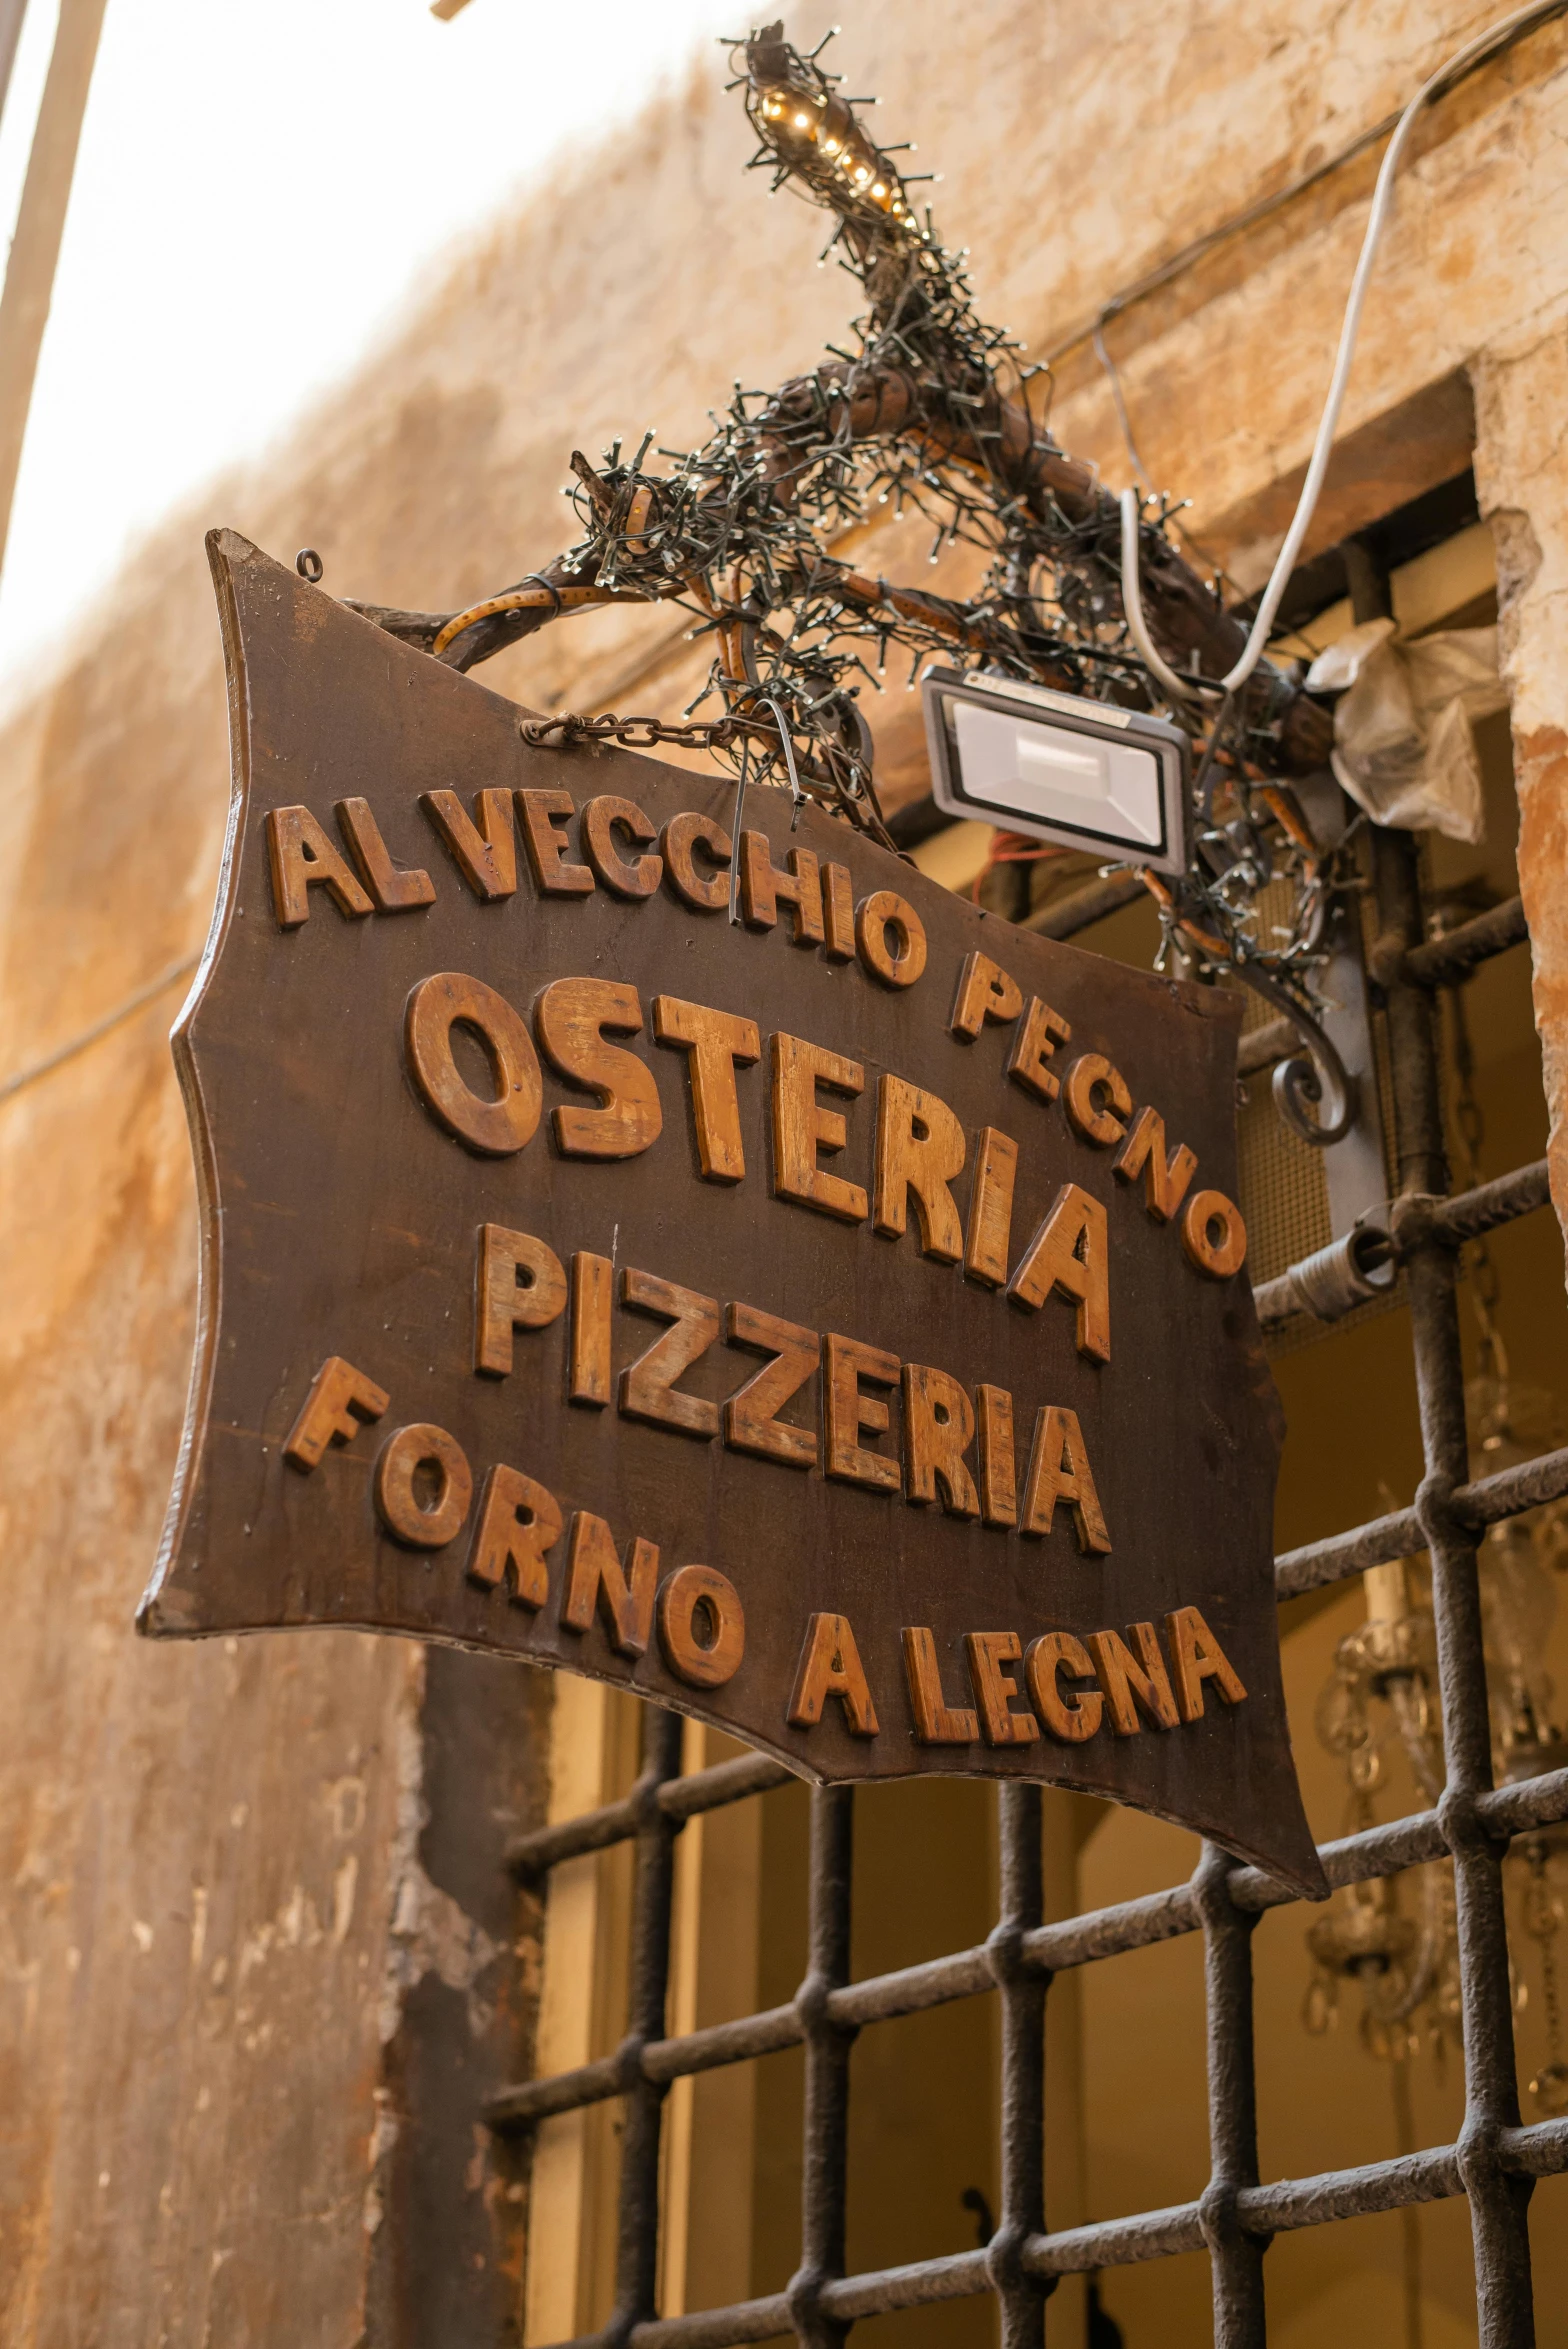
633,733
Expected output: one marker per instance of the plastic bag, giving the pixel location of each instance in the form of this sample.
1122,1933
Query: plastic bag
1404,748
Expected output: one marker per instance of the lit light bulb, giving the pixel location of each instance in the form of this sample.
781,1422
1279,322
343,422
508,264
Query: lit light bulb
879,189
830,146
802,122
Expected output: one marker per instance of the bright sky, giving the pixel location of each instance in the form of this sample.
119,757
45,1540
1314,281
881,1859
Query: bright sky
258,187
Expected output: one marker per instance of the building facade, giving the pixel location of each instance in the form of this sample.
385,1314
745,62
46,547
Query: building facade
265,1962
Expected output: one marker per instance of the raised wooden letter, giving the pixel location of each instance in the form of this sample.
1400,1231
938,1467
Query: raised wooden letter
602,818
1213,1235
762,886
1059,1471
998,1474
1198,1656
300,854
920,1149
594,1576
1060,1652
1071,1252
802,1127
751,1421
519,1284
340,1401
1090,1074
553,876
395,888
830,1666
838,913
648,1388
702,1626
996,1691
985,992
1042,1031
483,847
1124,1679
991,1209
846,1412
885,910
936,1721
715,1041
518,1522
422,1486
569,1017
682,835
504,1123
939,1426
1165,1179
588,1377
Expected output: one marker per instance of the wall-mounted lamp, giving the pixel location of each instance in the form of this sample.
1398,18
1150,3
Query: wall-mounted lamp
1056,767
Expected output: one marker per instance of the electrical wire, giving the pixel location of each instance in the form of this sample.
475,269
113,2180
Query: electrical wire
1180,688
1322,447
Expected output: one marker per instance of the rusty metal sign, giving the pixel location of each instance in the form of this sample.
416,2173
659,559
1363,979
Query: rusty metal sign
753,1277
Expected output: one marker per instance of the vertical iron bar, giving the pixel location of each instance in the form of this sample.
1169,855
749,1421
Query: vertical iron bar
1021,2297
1236,2257
825,2167
1499,2204
637,2231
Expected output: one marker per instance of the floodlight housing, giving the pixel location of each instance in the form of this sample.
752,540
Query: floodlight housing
1057,767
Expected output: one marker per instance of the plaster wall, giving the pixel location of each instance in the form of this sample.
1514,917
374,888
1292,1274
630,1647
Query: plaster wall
211,1964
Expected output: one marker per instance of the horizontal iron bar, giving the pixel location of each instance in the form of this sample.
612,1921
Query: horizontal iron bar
1442,962
1076,1941
1283,2206
1261,1047
1464,1217
724,2043
1090,904
913,1989
677,1798
708,2328
1399,1535
1471,1213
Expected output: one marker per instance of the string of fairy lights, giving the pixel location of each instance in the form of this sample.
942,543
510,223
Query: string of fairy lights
926,410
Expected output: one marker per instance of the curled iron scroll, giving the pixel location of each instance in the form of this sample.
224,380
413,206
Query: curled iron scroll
1316,1075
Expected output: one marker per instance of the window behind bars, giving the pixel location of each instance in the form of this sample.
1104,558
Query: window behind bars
953,2040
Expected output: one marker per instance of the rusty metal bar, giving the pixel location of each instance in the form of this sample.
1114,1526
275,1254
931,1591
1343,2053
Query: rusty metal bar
1498,2202
1235,2250
1465,1217
1443,962
1263,1046
824,2180
678,1798
1020,2295
637,2227
1084,906
1281,2207
1471,1213
1399,1535
1049,1949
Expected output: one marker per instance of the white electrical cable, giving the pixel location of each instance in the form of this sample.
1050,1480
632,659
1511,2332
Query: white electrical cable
1180,688
1322,447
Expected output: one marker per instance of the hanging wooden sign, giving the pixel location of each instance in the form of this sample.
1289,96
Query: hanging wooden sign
831,1320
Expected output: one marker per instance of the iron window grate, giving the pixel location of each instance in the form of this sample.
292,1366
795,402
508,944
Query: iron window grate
1495,2160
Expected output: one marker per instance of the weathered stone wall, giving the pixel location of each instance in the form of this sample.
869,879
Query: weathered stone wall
236,1965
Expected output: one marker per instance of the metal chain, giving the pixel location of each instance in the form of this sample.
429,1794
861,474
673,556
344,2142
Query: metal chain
633,733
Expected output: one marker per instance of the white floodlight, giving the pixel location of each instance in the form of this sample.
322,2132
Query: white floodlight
1056,767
